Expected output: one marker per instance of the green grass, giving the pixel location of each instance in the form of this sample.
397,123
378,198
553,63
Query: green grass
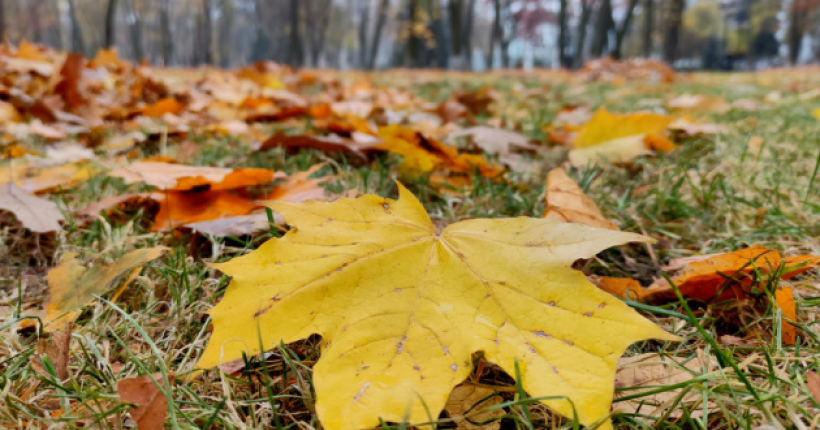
713,194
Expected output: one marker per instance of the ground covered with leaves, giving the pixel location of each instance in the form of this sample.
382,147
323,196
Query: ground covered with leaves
122,185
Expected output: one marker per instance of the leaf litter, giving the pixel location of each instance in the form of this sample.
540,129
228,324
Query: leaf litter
227,139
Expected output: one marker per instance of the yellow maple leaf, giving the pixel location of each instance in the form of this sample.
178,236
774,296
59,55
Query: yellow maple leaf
605,126
816,113
402,308
71,286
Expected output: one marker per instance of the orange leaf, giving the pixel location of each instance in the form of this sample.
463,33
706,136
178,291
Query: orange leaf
166,105
179,177
784,298
179,208
703,280
813,383
799,264
625,288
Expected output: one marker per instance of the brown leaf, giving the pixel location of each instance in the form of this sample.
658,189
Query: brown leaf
36,214
152,405
468,401
69,86
324,143
567,202
813,383
649,371
53,345
236,226
496,141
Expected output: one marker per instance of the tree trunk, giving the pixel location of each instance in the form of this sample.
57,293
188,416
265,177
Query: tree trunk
364,13
377,34
34,21
623,30
648,27
797,26
295,54
226,22
674,18
495,34
165,34
442,47
455,9
562,34
110,22
586,12
135,27
468,34
603,24
2,19
207,32
77,43
320,17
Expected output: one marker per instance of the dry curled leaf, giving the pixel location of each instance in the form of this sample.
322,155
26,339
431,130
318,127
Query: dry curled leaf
72,286
468,402
55,346
35,213
646,372
625,288
566,201
383,288
151,402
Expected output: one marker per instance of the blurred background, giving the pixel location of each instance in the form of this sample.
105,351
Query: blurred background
448,34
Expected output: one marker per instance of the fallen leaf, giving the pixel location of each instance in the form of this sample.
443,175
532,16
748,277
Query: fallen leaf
625,288
650,371
72,286
784,298
69,86
706,279
162,107
323,143
605,127
184,208
426,154
813,383
373,277
35,213
495,141
34,178
691,128
566,202
152,405
816,113
467,402
179,177
616,151
236,226
55,346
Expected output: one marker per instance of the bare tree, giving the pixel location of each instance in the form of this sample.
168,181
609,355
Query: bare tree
2,19
207,32
603,25
586,13
165,34
364,20
381,17
622,31
135,28
110,23
495,34
673,20
648,27
319,13
77,43
226,23
34,20
295,54
562,33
